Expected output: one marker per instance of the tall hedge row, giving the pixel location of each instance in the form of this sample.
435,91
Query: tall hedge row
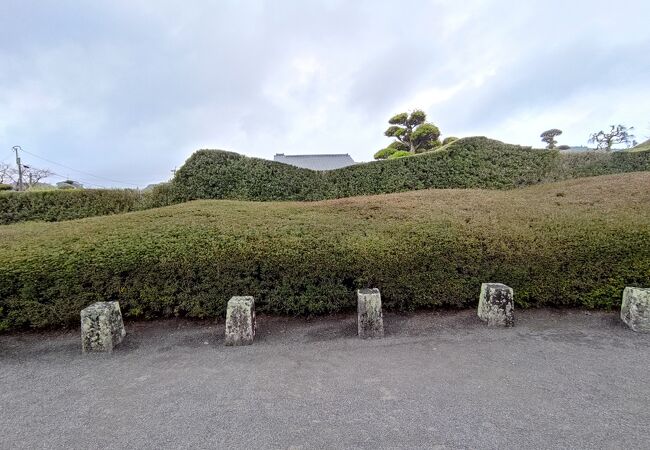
574,243
57,205
475,162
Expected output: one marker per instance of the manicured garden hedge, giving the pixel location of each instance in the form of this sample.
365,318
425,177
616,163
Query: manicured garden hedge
574,243
475,162
57,205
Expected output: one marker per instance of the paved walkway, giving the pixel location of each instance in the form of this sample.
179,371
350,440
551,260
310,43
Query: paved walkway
438,380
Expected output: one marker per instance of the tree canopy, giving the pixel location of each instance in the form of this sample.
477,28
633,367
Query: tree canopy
618,134
412,133
549,136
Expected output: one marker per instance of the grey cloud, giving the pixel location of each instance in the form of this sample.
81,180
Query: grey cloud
126,90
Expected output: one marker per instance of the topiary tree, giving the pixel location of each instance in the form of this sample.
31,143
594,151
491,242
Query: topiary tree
549,136
618,134
412,134
449,140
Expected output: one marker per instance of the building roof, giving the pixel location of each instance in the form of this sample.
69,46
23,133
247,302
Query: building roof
69,183
316,162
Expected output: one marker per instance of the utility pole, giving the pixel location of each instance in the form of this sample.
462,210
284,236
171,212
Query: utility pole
20,167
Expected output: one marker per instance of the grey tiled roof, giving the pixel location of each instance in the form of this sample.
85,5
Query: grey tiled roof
316,162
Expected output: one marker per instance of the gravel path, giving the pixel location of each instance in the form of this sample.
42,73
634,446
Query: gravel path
559,379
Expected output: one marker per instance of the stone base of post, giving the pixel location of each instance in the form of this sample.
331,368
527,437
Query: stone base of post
370,322
635,309
496,305
240,321
101,327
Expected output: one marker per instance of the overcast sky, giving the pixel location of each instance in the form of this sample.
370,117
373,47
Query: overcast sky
127,90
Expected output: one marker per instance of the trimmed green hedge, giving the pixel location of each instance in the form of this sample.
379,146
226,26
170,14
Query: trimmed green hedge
57,205
577,165
225,175
574,243
475,162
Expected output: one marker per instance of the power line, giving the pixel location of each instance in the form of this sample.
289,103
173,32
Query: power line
80,171
51,173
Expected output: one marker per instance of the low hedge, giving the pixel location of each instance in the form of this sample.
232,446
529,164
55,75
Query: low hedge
475,162
57,205
574,243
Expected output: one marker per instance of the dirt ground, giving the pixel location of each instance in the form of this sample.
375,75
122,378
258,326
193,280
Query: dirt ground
559,379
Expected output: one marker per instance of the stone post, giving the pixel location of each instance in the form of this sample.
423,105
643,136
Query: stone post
496,305
370,322
101,327
240,321
635,309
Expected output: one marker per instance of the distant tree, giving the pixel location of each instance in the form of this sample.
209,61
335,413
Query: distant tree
549,136
449,140
563,147
32,175
6,173
412,133
618,134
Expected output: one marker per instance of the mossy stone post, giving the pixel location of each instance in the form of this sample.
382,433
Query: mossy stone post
240,321
370,322
102,327
635,309
496,305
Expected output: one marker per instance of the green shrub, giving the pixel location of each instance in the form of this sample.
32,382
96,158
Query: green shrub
577,165
385,153
5,187
57,205
475,162
41,187
422,249
163,194
399,154
449,140
397,145
220,174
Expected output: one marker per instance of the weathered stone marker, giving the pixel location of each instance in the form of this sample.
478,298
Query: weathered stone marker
101,327
635,308
496,305
240,321
370,323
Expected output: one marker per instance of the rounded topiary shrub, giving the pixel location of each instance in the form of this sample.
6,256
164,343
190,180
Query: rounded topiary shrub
385,153
399,154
